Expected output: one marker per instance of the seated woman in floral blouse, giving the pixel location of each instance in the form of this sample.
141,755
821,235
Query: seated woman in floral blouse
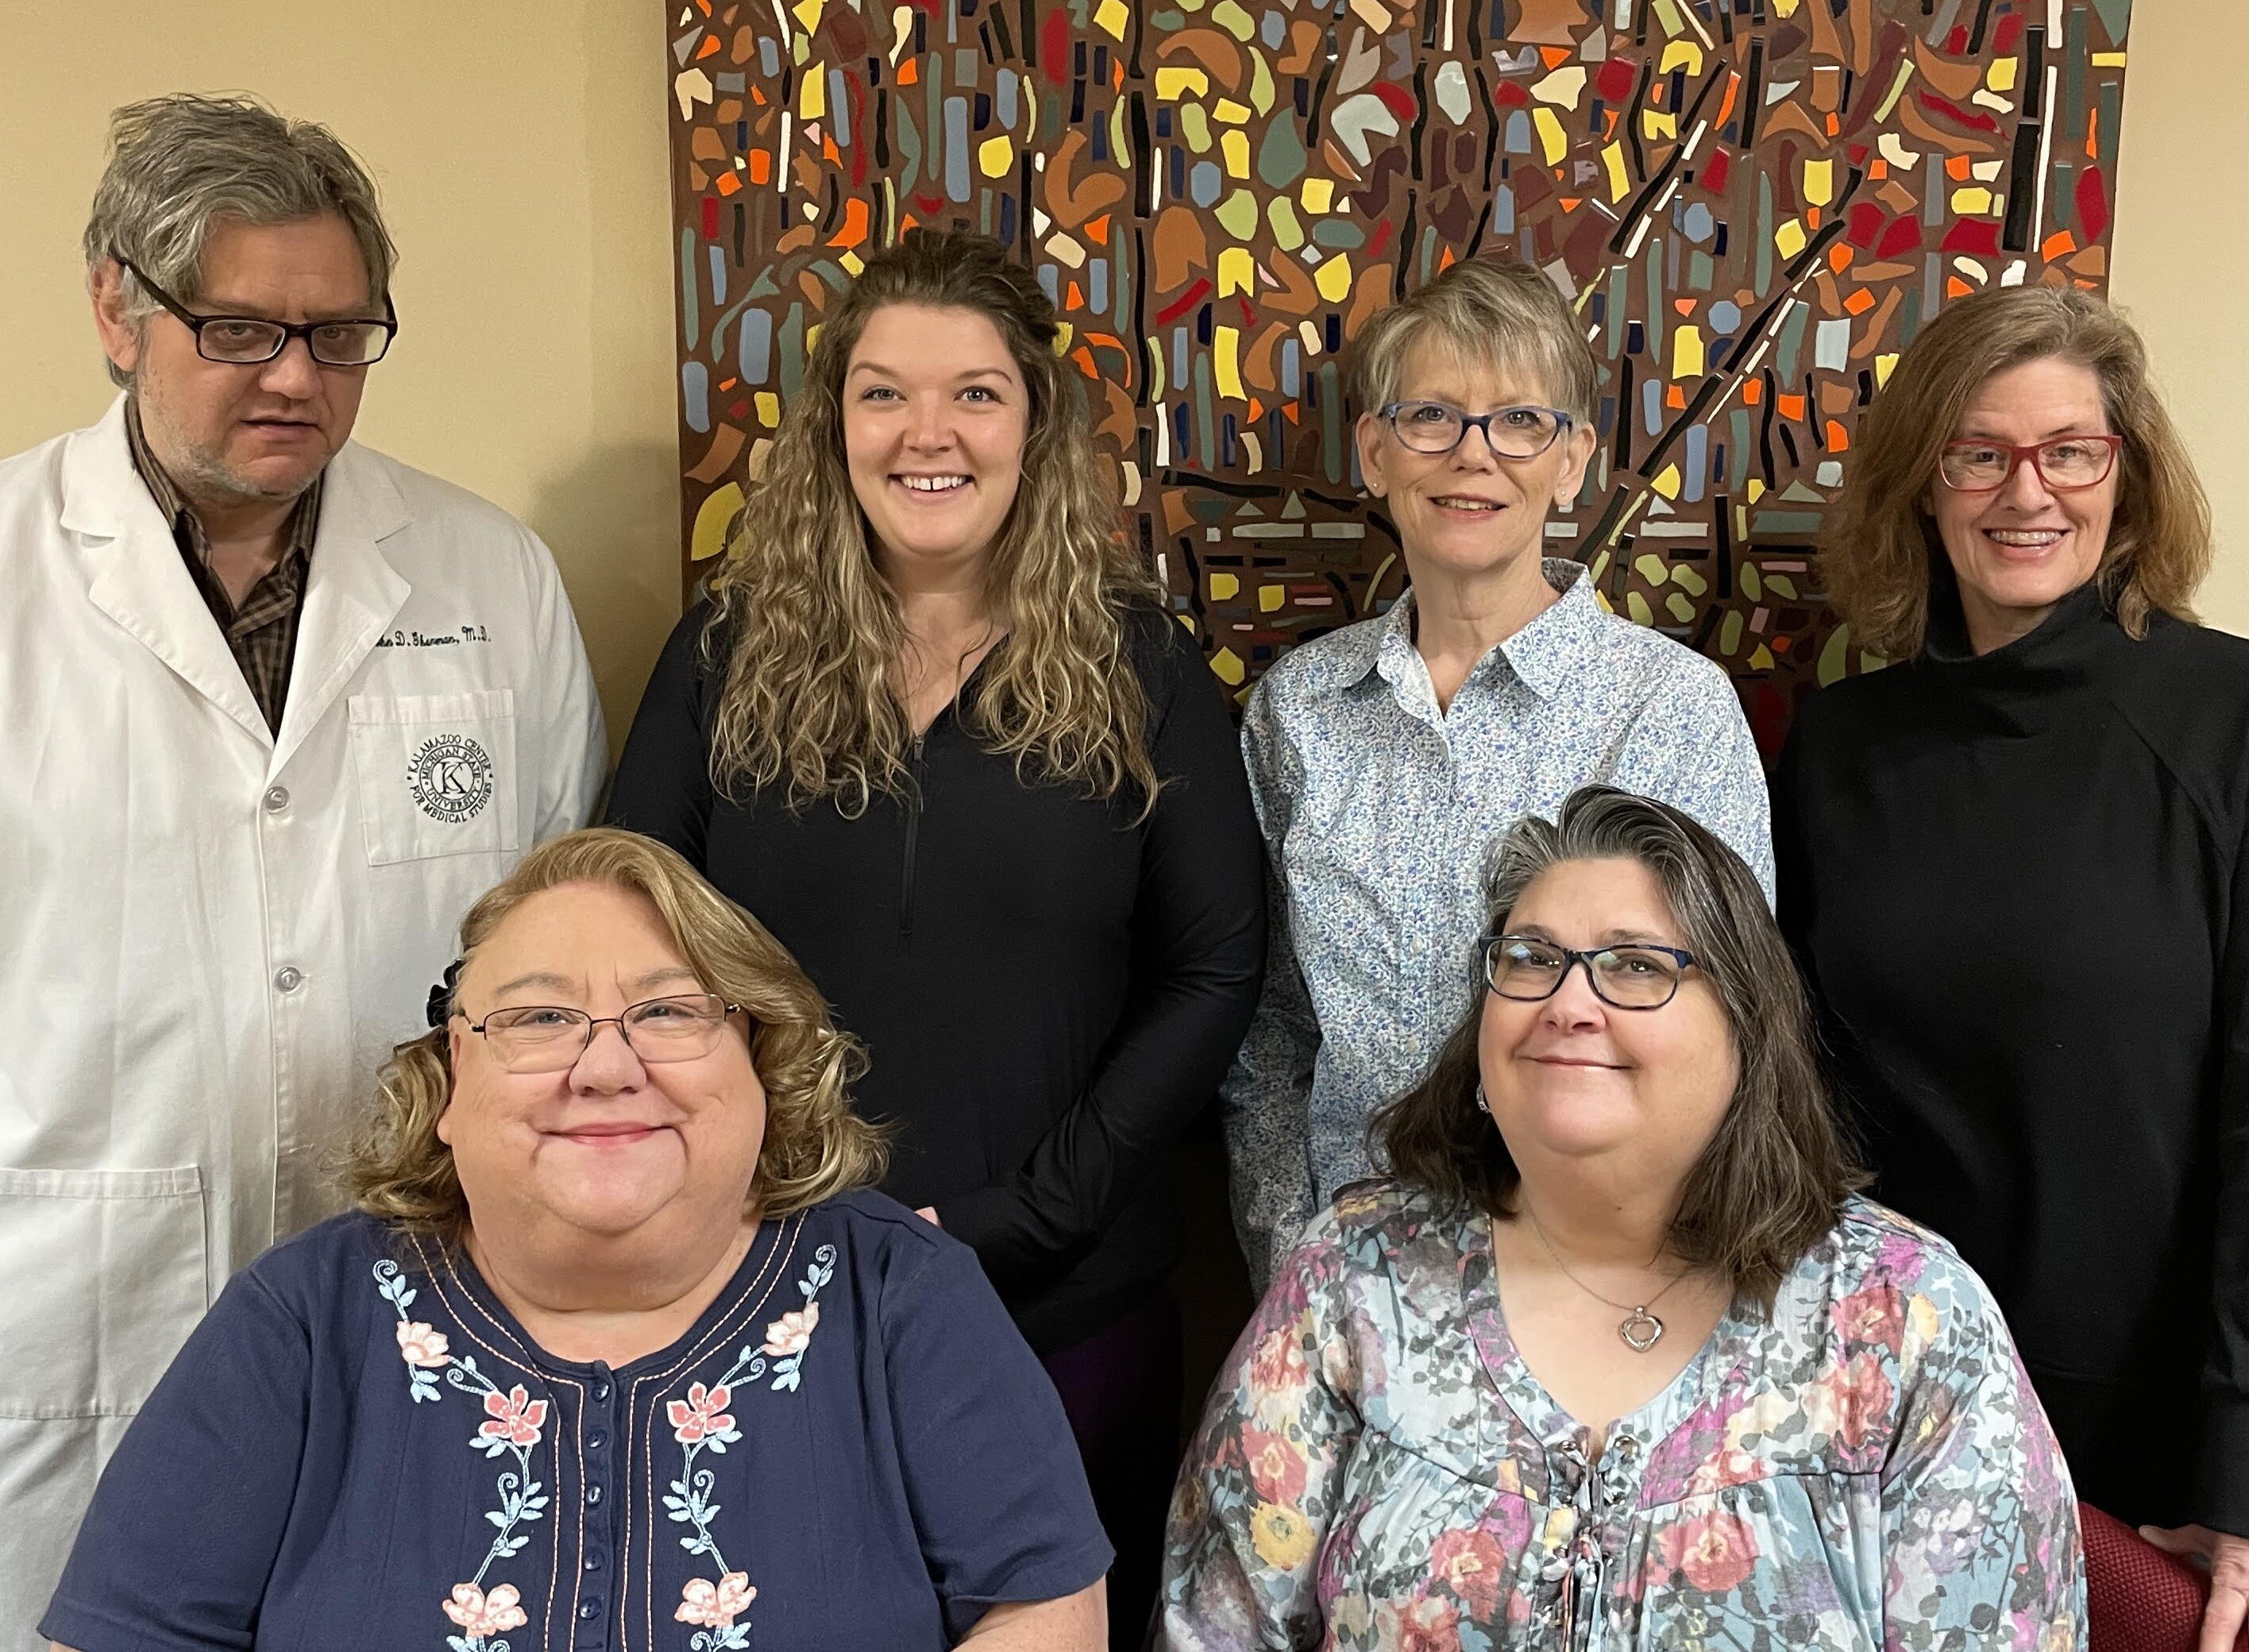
1619,1360
613,1354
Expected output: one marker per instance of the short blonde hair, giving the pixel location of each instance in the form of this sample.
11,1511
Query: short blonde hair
1877,550
1499,312
814,1144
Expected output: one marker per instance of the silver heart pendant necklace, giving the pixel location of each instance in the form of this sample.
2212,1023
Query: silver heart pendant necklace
1639,1330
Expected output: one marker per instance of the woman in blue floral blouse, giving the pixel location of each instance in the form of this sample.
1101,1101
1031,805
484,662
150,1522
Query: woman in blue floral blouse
1619,1360
615,1352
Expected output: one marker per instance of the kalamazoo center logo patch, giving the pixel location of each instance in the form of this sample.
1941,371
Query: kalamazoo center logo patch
452,778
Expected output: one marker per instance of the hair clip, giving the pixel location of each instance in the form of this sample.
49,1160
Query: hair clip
440,1006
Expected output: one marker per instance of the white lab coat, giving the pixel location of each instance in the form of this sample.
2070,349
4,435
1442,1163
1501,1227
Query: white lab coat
209,935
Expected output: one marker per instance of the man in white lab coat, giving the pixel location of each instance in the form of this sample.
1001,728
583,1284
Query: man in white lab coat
274,709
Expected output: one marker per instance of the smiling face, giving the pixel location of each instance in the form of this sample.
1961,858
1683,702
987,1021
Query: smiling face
1571,1078
2019,550
1468,512
612,1146
935,416
228,434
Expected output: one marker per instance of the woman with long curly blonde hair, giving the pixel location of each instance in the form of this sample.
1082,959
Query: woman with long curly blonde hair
935,727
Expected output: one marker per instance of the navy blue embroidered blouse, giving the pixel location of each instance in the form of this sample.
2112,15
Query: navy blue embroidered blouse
360,1447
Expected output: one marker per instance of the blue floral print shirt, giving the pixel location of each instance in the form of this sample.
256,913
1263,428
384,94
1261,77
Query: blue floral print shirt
1864,1468
1378,808
360,1447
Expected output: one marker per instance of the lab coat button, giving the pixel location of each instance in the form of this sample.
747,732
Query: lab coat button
288,979
277,799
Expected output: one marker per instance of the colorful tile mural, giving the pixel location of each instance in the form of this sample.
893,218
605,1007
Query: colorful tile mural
1752,203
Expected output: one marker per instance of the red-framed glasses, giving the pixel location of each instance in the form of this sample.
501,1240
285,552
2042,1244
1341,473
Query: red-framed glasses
2063,464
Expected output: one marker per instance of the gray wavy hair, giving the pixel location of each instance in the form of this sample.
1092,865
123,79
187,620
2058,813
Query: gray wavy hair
1771,1181
180,164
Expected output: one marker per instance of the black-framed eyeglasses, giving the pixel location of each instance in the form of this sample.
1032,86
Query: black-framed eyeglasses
1513,432
250,341
2063,464
1529,970
548,1037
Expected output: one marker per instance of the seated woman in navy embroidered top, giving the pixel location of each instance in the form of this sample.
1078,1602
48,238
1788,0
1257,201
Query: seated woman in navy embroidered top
617,1349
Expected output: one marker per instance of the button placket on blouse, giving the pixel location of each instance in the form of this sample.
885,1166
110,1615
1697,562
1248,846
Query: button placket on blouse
599,1431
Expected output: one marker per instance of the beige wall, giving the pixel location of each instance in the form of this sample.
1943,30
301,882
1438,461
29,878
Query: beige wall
522,155
2182,246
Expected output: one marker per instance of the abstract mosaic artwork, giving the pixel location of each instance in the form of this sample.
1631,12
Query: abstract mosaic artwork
1751,203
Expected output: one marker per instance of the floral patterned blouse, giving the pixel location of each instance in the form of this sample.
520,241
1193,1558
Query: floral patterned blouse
1864,1467
361,1448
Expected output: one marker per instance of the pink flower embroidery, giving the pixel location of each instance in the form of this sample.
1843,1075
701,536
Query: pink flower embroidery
1714,1552
514,1417
481,1613
715,1606
701,1414
420,1345
792,1332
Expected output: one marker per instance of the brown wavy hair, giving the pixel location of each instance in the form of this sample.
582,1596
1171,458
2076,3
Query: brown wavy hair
1772,1180
814,1144
808,630
1881,543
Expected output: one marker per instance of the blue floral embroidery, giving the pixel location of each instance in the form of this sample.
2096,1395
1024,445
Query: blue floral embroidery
512,1425
700,1423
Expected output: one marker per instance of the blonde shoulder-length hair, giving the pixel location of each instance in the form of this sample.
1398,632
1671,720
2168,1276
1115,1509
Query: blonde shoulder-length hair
814,1144
806,631
1879,543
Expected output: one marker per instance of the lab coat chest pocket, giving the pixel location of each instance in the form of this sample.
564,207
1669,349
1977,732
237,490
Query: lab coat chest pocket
89,1349
435,773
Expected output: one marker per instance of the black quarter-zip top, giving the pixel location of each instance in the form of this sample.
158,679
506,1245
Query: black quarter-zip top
912,804
1048,986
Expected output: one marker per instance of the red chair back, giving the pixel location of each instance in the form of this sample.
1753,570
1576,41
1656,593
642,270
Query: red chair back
2139,1598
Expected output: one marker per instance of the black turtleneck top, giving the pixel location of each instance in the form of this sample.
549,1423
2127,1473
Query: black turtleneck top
2018,886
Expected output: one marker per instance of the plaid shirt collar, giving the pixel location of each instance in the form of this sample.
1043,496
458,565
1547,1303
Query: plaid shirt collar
261,629
187,528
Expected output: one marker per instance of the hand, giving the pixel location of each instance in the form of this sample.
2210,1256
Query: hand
928,1214
2227,1557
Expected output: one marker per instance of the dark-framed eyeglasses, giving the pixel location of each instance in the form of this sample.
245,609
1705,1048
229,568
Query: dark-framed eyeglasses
250,341
548,1037
2063,464
1529,970
1437,427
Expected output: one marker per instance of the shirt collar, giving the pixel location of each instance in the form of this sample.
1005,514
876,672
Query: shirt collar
169,504
1545,653
180,516
1541,655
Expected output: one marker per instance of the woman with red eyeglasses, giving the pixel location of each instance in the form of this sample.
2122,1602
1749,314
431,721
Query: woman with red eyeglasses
2015,866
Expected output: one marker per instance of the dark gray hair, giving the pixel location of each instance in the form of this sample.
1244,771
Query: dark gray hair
1497,311
1772,1179
180,164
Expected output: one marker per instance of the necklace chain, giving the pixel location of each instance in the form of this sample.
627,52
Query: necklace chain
1633,1308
